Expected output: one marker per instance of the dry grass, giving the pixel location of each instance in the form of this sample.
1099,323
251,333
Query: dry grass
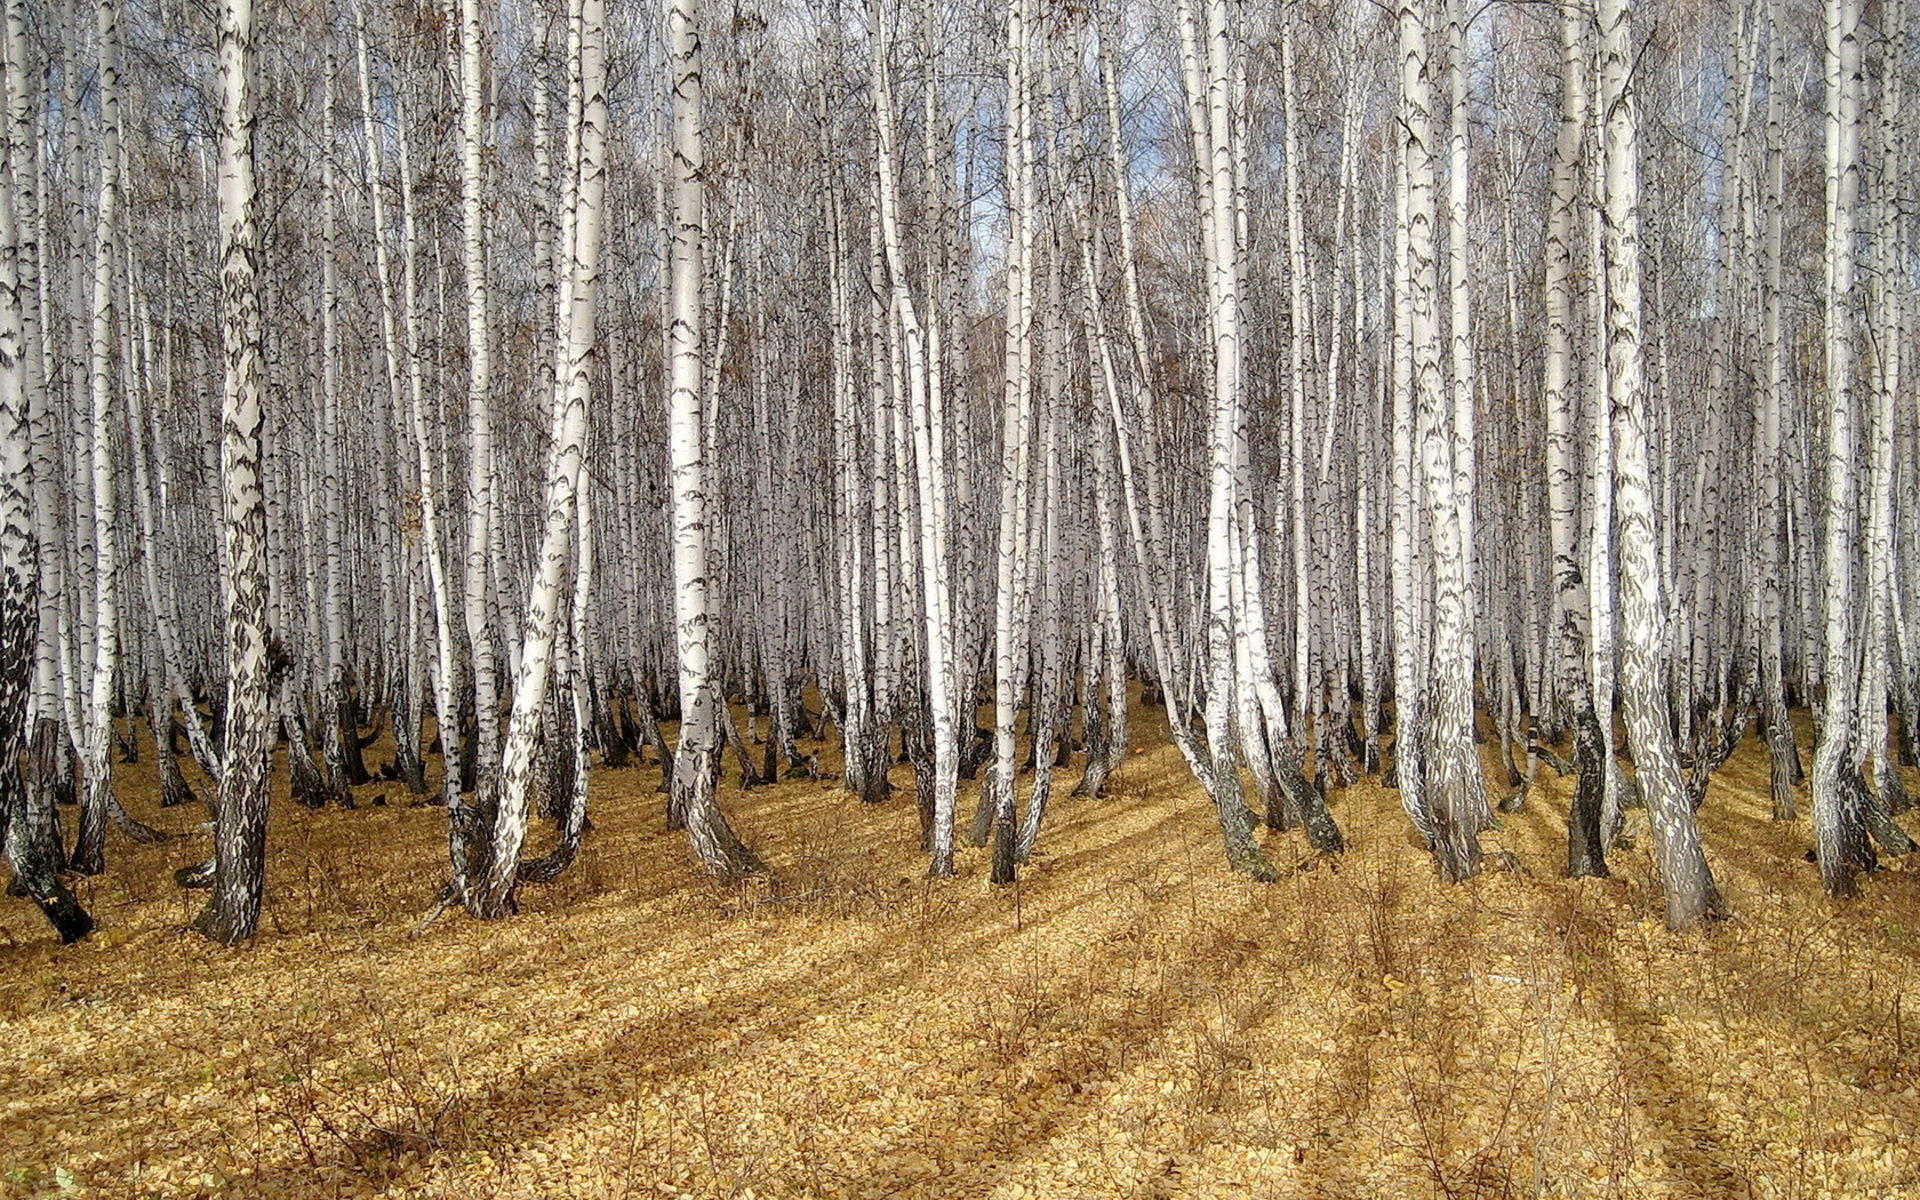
1130,1021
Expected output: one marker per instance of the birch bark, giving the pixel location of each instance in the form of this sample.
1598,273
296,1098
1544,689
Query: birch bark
1208,78
1839,819
1452,786
26,852
240,824
1690,891
89,850
929,474
1586,852
581,245
480,452
712,838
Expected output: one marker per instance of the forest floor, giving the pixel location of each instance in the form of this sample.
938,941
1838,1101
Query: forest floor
1131,1020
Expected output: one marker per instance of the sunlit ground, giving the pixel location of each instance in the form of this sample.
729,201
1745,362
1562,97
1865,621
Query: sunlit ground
1130,1021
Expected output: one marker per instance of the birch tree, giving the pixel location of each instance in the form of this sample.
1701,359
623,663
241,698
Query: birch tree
1206,52
1586,850
1684,875
1394,421
580,240
89,850
930,469
1839,800
19,558
232,912
479,580
712,838
1772,517
1452,786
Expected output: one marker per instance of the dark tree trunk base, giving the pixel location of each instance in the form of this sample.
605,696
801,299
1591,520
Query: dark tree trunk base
89,855
1586,843
981,827
1005,865
550,866
1892,839
174,790
35,875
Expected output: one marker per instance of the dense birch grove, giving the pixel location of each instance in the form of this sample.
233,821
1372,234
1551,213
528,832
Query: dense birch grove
1455,394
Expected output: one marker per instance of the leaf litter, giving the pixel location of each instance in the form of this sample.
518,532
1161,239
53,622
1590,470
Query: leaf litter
1130,1020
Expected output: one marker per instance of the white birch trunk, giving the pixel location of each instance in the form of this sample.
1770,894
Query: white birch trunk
1690,891
97,738
240,835
1209,87
27,851
929,475
1017,419
1839,830
1573,699
1452,784
581,240
695,759
480,485
1771,519
1408,583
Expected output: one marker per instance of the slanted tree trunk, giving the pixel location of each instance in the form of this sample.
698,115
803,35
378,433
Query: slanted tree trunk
1691,894
446,700
409,766
930,474
581,238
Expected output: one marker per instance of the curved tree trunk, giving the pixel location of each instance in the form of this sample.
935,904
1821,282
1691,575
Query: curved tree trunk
581,237
1691,894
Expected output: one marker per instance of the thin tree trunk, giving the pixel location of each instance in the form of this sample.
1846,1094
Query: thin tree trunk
480,451
581,240
1783,753
1208,88
713,840
1586,851
1011,558
89,850
929,460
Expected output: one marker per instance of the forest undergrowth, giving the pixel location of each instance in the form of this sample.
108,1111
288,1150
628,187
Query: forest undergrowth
1130,1020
